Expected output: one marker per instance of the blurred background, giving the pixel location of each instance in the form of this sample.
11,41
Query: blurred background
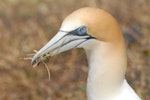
26,25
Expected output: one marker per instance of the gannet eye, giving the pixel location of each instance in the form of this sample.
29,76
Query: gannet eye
82,30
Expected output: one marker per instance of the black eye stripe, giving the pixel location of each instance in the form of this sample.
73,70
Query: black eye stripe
80,31
85,39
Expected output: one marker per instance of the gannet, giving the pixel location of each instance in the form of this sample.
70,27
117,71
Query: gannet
99,34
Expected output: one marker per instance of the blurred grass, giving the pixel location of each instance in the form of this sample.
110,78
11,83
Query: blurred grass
26,25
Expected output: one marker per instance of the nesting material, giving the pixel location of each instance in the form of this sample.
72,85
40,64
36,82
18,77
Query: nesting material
44,59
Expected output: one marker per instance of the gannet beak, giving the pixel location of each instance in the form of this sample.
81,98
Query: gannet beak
61,42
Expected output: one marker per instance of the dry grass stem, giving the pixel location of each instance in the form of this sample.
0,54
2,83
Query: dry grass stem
43,59
48,71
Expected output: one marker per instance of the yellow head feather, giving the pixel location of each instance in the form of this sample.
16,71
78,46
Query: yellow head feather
101,24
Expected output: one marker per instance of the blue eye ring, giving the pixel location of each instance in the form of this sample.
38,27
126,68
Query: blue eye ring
82,30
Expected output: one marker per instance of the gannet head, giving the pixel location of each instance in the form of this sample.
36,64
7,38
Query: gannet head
79,29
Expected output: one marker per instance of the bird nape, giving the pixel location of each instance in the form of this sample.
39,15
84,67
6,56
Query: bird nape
99,34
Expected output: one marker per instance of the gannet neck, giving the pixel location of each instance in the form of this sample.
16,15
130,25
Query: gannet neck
107,67
106,70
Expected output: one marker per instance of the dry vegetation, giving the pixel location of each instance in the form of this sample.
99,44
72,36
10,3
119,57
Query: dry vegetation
26,25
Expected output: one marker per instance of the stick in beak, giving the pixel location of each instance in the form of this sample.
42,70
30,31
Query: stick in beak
48,50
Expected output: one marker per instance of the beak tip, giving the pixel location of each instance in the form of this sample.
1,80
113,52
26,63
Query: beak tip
34,60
